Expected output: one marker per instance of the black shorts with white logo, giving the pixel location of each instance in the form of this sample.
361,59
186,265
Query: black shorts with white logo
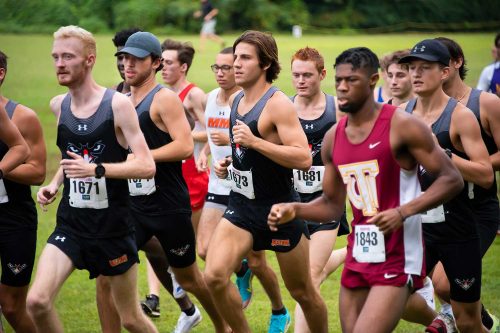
342,225
252,217
175,233
17,252
217,199
462,265
99,256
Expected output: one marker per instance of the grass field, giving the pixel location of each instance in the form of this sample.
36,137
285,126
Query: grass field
31,81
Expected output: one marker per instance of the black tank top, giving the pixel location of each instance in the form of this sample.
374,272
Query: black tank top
460,224
20,211
94,138
473,104
270,180
171,190
315,131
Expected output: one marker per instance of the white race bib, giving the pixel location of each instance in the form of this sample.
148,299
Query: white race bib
309,181
3,193
369,244
241,182
138,187
435,215
88,192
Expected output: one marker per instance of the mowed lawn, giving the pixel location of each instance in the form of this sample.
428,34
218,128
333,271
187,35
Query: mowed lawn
31,81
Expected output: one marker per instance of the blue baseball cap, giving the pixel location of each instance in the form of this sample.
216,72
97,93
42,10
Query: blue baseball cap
141,44
428,50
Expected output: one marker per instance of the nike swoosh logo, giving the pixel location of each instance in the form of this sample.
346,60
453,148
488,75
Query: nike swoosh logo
390,276
373,145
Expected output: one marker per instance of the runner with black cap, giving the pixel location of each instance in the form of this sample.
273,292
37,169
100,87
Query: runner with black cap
450,230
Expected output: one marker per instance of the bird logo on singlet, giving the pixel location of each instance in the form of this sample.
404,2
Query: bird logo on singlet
239,150
90,153
315,146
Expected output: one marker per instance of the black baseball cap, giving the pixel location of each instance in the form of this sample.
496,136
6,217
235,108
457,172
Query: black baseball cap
141,44
428,50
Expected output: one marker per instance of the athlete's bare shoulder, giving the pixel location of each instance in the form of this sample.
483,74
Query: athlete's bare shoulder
55,104
196,94
280,102
24,114
490,103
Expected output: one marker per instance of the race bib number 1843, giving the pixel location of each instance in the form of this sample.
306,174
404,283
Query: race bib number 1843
369,244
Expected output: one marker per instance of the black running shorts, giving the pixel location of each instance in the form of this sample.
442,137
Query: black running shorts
100,256
17,252
175,233
252,216
462,265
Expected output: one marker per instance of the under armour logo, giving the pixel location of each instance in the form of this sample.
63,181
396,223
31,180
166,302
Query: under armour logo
16,268
420,48
230,212
221,113
210,197
60,238
180,251
311,126
82,127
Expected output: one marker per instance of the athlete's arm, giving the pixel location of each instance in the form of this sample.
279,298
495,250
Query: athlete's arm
32,171
168,107
328,207
143,165
198,101
478,169
47,194
293,152
412,142
202,161
18,149
490,107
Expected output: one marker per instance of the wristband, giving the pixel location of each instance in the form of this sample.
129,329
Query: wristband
403,218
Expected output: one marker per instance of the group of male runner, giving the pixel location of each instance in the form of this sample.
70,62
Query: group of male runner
280,173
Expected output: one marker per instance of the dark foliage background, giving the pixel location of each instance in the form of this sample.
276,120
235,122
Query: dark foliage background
235,15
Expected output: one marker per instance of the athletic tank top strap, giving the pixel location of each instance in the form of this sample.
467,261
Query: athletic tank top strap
185,91
256,110
410,106
145,104
87,125
473,102
443,122
10,107
330,106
